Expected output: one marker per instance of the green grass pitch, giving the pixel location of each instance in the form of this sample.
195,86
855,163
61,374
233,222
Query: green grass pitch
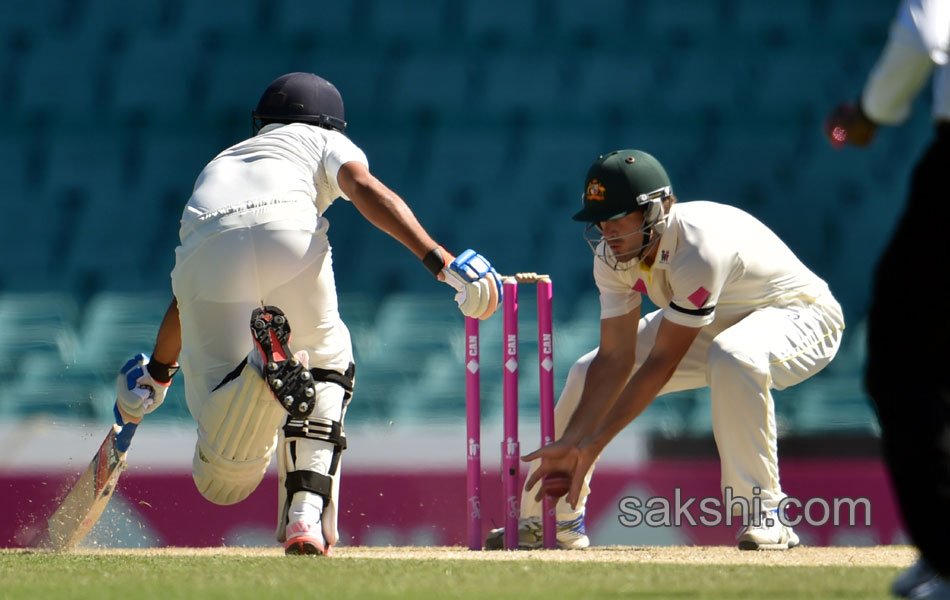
237,575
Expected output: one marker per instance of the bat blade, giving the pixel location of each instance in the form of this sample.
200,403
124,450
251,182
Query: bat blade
86,501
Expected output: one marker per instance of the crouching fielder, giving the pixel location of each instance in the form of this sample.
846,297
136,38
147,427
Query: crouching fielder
267,362
738,313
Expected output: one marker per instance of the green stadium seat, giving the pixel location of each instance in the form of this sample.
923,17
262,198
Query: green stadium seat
407,22
682,23
92,165
433,84
438,393
835,404
481,22
234,82
706,85
117,326
617,85
751,18
417,323
300,19
57,90
43,323
522,84
30,18
104,17
46,385
240,19
596,21
153,80
359,75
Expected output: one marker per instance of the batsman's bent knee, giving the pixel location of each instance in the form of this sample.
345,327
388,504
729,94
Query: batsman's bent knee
237,436
224,481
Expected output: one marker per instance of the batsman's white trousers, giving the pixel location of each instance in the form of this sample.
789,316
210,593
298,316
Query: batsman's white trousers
741,359
273,253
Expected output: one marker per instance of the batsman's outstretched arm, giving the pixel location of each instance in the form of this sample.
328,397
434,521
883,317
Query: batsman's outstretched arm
478,286
384,208
168,341
143,382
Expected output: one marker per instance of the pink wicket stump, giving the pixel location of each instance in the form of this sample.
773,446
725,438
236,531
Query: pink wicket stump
510,446
510,450
546,373
473,419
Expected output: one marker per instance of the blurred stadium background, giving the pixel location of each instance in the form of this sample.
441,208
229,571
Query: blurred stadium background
483,115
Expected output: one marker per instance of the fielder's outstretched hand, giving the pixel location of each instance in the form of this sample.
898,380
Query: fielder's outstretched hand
847,124
563,457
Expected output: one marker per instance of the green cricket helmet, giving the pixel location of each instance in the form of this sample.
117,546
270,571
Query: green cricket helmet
618,184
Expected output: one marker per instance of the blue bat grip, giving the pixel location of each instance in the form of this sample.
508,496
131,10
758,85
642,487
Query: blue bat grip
124,437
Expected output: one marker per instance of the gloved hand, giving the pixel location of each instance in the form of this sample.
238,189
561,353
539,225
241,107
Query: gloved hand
477,283
847,124
138,392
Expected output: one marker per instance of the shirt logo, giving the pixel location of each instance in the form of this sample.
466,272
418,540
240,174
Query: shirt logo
595,191
664,256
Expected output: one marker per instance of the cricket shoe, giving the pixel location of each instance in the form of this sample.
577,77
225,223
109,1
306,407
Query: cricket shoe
769,534
571,535
911,578
286,376
305,531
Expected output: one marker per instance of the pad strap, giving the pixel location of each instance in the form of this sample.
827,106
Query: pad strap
345,380
308,481
316,428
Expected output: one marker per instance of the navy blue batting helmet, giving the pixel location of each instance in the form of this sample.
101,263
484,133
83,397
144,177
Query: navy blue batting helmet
300,98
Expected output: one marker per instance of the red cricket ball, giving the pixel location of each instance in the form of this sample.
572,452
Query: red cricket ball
556,484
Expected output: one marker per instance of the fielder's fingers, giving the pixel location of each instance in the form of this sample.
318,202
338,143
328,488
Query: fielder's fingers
577,482
539,497
533,478
532,456
536,476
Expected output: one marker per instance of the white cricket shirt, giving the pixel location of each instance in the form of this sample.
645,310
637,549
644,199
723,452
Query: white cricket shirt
281,164
713,260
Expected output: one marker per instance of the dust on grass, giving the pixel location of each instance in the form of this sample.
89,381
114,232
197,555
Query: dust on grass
871,556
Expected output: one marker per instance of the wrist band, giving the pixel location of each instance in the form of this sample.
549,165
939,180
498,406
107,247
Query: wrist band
161,372
433,261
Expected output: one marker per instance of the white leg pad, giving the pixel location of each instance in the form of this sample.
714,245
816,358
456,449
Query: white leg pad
237,436
299,453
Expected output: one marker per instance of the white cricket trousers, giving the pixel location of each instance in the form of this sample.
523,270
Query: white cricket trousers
275,254
272,254
741,361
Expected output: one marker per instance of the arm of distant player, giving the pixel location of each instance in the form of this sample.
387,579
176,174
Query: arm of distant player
916,42
672,343
478,296
608,372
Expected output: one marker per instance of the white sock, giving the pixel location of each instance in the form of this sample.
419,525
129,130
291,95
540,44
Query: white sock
306,506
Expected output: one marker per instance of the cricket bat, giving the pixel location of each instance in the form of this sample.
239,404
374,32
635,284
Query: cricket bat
86,501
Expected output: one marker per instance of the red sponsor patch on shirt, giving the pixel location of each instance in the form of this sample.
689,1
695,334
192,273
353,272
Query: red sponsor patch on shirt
699,297
639,286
